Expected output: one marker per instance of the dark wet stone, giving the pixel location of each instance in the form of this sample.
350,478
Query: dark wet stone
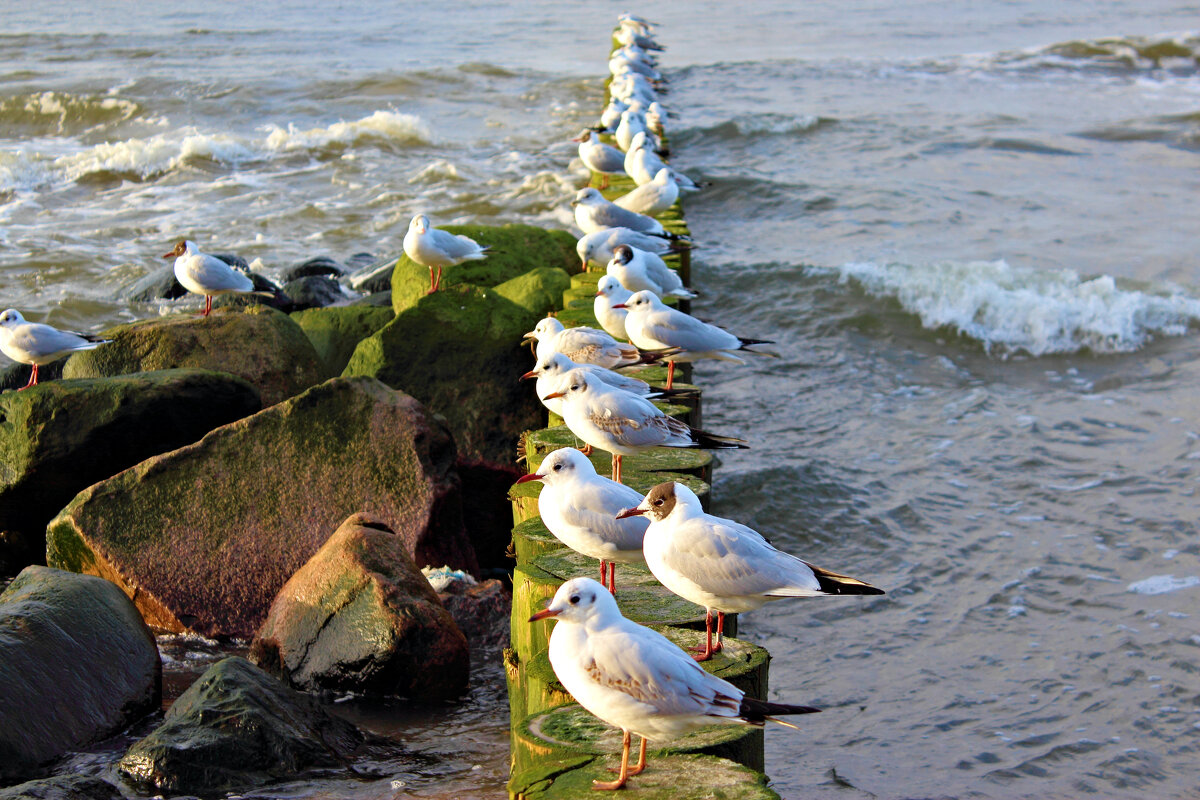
158,285
360,616
321,265
77,664
278,300
313,291
481,611
235,261
237,728
63,787
360,260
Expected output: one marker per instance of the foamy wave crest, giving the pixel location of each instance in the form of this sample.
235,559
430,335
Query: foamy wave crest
151,156
59,112
766,125
385,126
1179,53
1039,313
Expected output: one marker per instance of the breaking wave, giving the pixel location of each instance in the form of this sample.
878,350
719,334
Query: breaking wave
50,113
1016,310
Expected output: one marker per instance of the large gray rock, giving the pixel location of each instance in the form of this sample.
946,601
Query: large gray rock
77,664
236,728
202,538
63,787
360,616
60,437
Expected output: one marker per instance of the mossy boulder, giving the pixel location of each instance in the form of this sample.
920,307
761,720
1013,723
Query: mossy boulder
202,538
459,352
335,332
77,664
537,291
237,728
257,343
60,437
515,250
63,787
360,616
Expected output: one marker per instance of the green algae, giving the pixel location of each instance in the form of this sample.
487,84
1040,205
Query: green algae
335,331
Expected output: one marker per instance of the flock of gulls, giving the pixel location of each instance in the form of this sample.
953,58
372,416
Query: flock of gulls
622,672
625,674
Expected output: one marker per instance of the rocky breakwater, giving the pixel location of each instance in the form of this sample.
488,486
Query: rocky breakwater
203,537
77,664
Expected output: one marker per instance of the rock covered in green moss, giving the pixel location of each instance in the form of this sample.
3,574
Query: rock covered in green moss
60,437
515,250
256,343
237,728
336,331
459,352
77,664
63,787
537,291
204,537
360,617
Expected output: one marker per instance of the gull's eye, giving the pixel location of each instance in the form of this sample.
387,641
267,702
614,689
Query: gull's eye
557,467
658,502
574,600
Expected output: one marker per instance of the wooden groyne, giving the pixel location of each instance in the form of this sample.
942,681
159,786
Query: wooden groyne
558,748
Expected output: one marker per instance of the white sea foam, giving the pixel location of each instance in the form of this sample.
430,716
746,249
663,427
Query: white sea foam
1162,584
381,126
1013,310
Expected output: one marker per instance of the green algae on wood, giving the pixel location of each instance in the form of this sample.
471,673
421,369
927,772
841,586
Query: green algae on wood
668,777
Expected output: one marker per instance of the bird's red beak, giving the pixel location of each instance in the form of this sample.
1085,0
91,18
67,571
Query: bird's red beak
620,305
531,374
553,395
533,476
630,512
544,614
170,254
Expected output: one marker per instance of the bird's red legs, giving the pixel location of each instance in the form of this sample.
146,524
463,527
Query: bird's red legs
435,283
616,467
670,373
32,378
603,572
623,774
587,450
705,653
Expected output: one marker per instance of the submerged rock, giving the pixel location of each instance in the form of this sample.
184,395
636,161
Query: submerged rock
63,787
77,664
515,250
459,352
335,332
237,728
321,265
360,616
60,437
205,536
256,343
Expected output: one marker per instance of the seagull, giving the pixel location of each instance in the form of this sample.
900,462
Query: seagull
637,679
653,325
599,246
611,115
431,248
579,507
623,423
549,372
640,24
609,293
599,157
208,275
621,62
633,121
630,86
638,270
655,119
585,345
593,213
38,344
642,164
723,565
651,198
629,35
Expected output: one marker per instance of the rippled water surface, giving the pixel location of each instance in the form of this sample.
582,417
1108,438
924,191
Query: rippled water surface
971,231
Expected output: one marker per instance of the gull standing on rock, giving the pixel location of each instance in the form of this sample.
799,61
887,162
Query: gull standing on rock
208,275
580,508
637,679
609,294
652,324
585,345
638,270
724,565
599,157
624,424
593,213
38,344
651,198
431,248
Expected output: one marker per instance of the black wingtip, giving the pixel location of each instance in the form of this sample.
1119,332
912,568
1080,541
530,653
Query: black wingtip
757,711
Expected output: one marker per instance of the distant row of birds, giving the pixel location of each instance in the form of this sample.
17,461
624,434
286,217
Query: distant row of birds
626,674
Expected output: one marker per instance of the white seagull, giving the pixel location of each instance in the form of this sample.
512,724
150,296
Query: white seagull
724,565
651,198
208,275
637,679
599,246
431,248
642,163
38,344
582,344
580,508
610,293
653,325
638,270
633,121
599,157
625,424
593,213
549,372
